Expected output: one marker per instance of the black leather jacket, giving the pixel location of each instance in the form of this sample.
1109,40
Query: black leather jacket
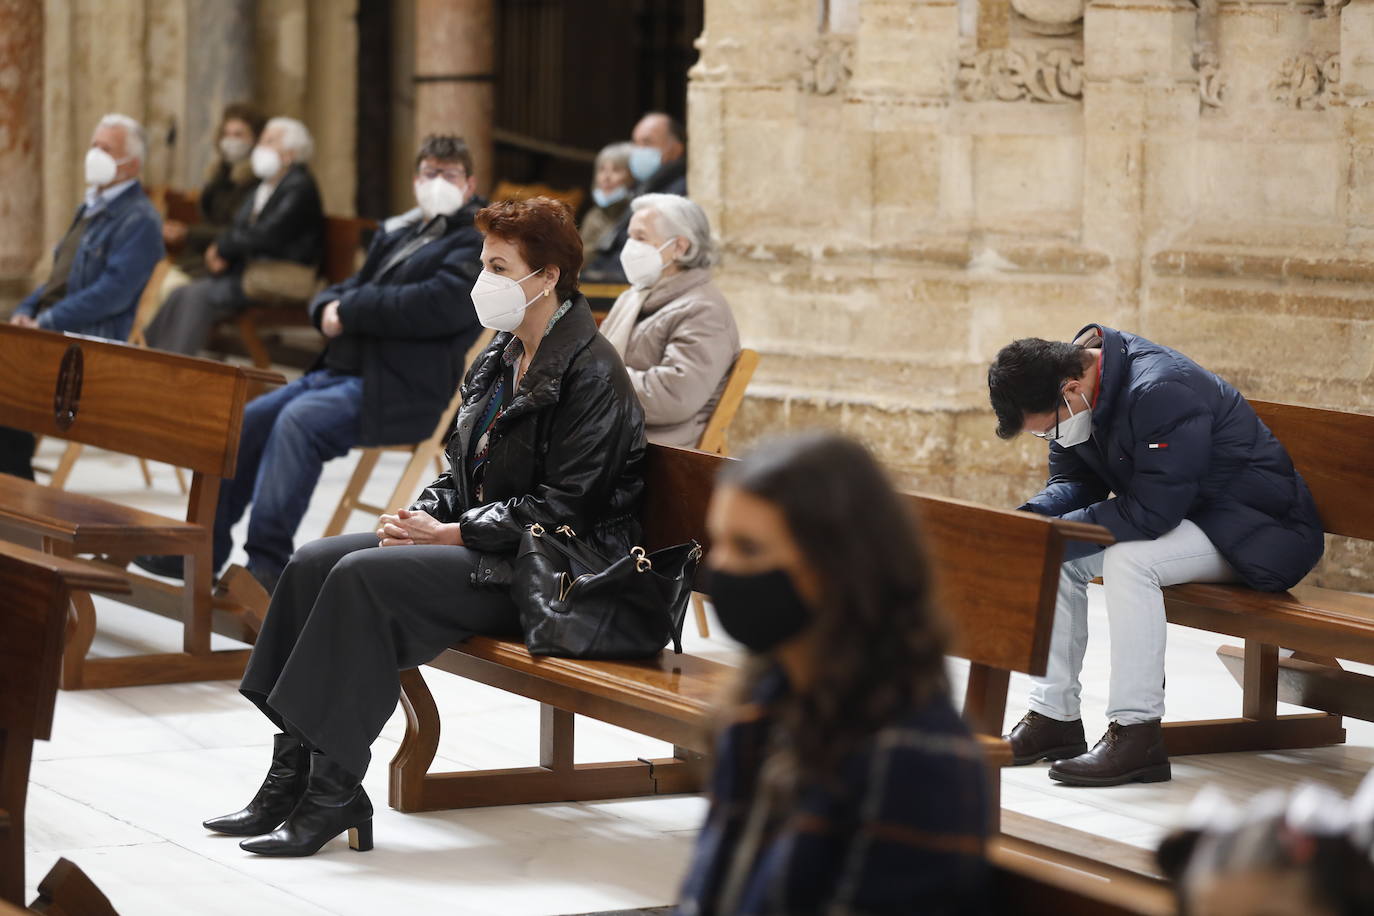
569,450
289,228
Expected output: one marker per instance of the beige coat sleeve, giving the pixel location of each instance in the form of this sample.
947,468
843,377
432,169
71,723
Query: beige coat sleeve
697,352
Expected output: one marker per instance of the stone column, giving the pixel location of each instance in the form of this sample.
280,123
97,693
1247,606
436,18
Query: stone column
220,69
454,63
21,110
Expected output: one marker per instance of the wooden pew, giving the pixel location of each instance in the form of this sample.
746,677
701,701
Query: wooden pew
997,575
34,592
1332,450
175,409
1032,880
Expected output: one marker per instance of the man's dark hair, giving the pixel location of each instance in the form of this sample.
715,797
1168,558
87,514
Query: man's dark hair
445,148
1027,377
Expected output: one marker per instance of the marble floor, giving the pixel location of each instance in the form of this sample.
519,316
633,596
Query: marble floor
130,773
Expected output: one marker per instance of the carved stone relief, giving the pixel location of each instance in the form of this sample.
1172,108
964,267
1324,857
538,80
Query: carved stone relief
1050,17
1206,56
1309,81
1052,76
826,64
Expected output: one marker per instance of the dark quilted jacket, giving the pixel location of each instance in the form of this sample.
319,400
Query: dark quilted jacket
1172,441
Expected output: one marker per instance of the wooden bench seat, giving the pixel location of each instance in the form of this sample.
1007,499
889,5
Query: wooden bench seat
180,410
1002,612
1332,451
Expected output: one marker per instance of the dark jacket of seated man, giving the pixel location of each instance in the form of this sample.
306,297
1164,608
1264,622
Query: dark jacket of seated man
407,322
1172,441
289,227
115,253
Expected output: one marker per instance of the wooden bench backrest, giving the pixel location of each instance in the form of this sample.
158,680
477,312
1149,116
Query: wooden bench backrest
1334,452
179,410
33,615
997,571
509,190
181,205
343,243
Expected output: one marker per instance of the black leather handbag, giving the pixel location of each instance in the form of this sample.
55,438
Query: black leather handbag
575,603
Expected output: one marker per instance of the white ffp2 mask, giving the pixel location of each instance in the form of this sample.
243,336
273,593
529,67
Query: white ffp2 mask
438,197
100,167
266,162
642,263
1076,430
500,301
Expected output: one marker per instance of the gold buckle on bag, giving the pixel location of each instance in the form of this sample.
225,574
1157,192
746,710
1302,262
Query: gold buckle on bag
642,562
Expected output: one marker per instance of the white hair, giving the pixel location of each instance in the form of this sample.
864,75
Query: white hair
619,153
680,217
295,137
135,137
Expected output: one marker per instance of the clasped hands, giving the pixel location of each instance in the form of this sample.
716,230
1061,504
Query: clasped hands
409,527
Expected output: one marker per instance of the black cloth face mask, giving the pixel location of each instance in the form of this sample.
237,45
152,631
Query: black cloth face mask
762,611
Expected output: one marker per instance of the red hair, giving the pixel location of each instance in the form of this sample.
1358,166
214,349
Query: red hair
544,232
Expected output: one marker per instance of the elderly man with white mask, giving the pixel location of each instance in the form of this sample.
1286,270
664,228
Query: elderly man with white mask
101,264
276,242
399,331
673,328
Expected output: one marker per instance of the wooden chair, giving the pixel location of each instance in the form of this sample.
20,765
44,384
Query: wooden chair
343,248
180,410
1002,614
147,307
509,190
417,466
34,591
714,439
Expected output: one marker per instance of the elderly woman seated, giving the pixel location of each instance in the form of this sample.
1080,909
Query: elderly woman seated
673,328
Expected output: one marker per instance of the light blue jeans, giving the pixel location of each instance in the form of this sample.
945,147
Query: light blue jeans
1132,574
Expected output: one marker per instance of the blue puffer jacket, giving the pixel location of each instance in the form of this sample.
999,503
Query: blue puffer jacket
116,257
1173,441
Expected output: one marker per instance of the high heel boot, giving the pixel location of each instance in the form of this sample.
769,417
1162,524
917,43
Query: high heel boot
334,801
280,791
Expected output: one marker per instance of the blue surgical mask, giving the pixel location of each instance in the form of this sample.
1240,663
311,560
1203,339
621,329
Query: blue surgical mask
607,198
645,161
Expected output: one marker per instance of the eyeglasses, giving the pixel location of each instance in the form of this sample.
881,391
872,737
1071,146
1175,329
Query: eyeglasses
1051,435
452,176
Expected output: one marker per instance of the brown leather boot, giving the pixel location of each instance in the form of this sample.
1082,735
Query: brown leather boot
1038,737
1126,753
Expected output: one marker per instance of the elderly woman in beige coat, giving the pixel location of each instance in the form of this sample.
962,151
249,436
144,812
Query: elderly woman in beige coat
673,328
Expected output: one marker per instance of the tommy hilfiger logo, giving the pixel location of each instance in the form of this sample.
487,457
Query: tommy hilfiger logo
1158,445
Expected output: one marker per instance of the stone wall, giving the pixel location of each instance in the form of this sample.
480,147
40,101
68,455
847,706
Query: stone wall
903,186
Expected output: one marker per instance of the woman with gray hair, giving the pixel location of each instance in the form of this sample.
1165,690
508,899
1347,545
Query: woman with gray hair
611,187
673,328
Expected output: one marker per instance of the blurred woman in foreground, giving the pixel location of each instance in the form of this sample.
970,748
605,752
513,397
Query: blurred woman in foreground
844,779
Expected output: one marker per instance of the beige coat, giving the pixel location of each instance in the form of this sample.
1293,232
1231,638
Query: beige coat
679,354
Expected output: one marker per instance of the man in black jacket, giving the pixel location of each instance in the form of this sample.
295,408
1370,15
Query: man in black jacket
282,220
398,332
658,163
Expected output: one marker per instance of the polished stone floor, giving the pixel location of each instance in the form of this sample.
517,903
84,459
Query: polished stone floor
130,773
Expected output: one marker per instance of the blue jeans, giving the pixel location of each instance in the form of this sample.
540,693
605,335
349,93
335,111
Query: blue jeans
288,435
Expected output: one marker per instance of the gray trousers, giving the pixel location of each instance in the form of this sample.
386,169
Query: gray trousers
184,322
1133,572
347,617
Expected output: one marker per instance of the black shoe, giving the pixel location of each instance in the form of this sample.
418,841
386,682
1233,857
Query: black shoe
281,790
334,801
1038,737
1126,753
167,566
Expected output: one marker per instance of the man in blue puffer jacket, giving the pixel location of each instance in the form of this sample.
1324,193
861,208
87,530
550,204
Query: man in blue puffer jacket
1195,488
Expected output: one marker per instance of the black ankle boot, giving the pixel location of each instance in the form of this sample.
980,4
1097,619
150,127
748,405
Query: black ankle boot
281,790
334,801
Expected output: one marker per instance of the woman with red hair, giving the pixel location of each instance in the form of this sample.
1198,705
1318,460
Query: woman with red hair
550,431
